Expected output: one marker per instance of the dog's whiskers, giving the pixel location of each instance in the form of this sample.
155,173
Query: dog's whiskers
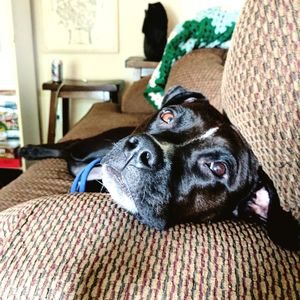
127,162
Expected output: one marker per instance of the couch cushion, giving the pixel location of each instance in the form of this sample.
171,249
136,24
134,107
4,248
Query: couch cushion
201,70
82,246
261,90
102,117
134,101
47,177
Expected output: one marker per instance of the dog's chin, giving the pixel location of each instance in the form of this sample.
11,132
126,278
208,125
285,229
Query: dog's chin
114,183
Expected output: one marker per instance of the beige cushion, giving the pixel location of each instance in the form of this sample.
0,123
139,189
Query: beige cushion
261,90
82,246
133,100
201,70
102,117
44,178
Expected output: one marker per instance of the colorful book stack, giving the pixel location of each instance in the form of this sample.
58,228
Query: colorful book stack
9,131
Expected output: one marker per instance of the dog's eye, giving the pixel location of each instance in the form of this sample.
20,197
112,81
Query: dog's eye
167,116
218,168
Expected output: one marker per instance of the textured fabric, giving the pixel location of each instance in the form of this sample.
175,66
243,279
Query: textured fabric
211,28
46,177
83,247
134,101
201,71
261,90
102,117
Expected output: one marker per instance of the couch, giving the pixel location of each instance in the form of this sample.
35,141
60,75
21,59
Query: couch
57,245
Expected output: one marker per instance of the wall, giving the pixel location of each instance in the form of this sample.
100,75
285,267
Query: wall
16,61
8,79
108,66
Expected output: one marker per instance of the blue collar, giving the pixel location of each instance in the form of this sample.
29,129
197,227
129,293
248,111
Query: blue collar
80,180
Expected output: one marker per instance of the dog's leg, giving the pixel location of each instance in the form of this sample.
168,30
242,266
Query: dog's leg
37,152
80,150
78,153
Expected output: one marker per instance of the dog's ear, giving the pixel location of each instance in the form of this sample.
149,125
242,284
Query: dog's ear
264,206
179,95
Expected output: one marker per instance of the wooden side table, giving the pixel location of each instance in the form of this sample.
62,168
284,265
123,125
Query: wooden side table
72,89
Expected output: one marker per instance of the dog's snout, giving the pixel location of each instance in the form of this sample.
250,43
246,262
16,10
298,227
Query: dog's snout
144,153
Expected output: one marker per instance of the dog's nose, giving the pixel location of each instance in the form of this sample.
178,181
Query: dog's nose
143,152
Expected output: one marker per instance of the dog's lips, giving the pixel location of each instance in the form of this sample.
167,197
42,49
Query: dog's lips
115,184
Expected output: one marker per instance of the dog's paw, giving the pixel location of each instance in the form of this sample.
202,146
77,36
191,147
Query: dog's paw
30,152
256,207
259,204
24,152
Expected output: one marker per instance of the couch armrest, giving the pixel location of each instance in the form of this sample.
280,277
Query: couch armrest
261,90
82,246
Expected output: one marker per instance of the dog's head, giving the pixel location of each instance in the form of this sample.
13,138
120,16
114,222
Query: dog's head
187,163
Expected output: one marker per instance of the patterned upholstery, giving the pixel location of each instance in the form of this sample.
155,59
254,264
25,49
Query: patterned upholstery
134,101
261,90
83,247
55,245
47,177
102,117
200,70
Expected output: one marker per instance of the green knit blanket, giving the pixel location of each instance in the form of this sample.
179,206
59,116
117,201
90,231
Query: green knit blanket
211,28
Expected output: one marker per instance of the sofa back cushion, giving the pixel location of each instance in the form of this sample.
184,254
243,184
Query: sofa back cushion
133,100
200,70
261,90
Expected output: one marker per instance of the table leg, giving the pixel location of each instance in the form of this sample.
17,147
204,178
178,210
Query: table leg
52,117
114,96
65,115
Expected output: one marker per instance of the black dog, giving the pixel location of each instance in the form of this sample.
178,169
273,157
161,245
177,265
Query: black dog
187,163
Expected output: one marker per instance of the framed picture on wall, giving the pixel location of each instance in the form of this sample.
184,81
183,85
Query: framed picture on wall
80,25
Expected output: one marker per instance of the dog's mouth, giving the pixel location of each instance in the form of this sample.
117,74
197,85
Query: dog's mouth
118,189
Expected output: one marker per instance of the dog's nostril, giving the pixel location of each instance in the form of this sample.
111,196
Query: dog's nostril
146,158
132,143
141,151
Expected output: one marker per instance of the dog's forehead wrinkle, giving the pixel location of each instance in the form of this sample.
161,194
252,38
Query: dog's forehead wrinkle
168,148
208,133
